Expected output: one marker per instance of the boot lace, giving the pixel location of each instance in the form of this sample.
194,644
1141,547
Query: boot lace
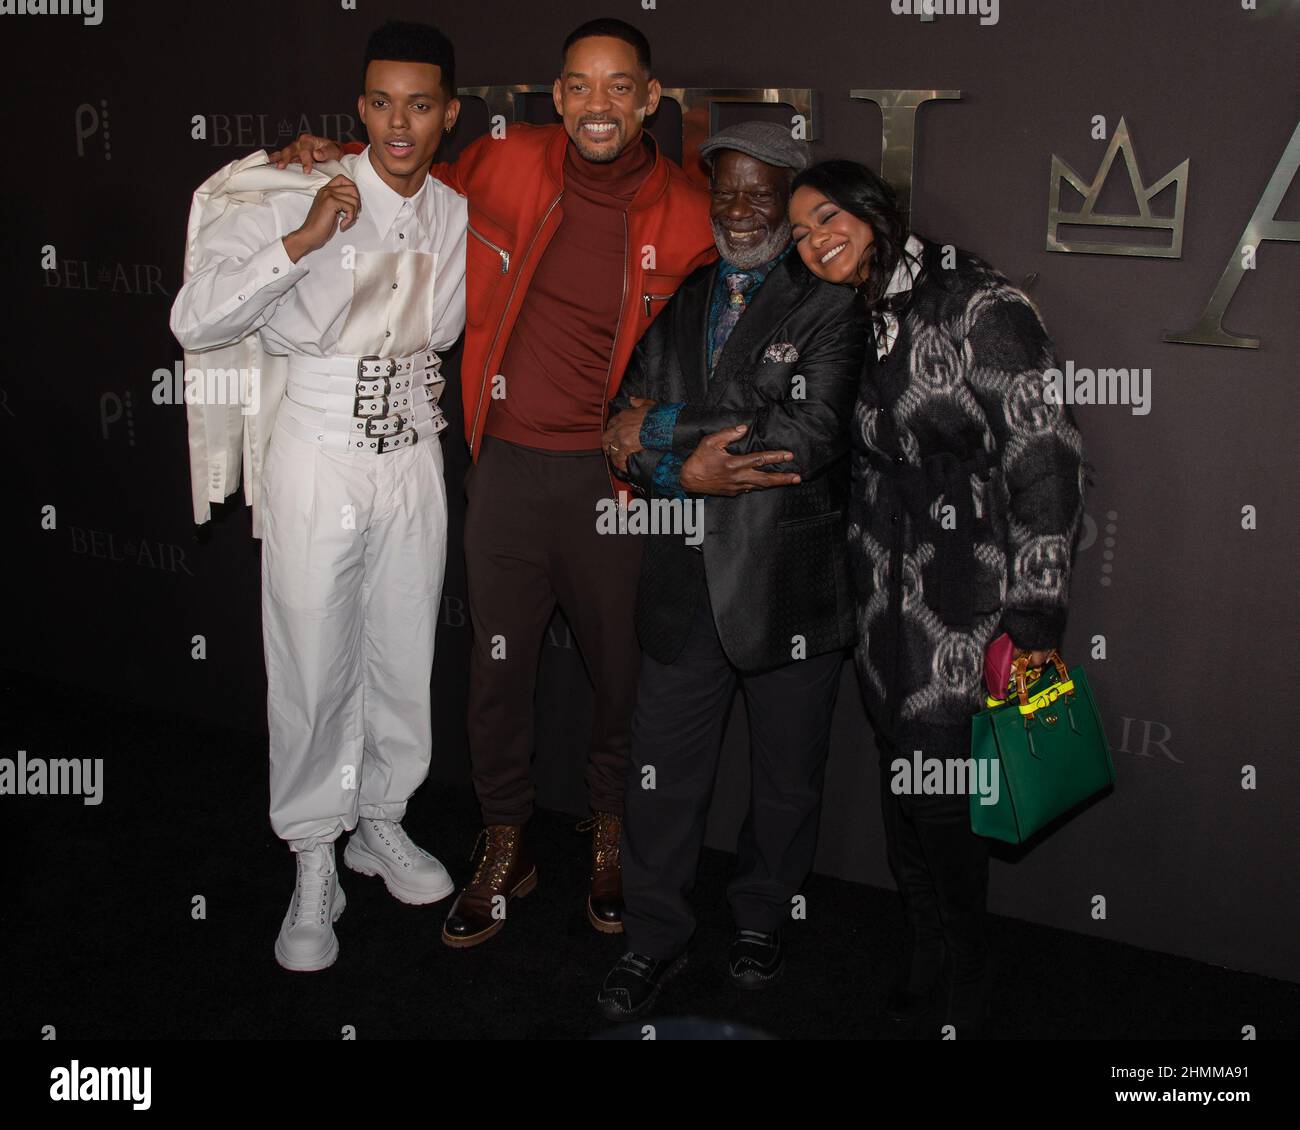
312,894
636,963
605,829
498,854
400,844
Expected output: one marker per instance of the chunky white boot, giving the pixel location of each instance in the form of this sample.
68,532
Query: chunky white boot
307,942
411,874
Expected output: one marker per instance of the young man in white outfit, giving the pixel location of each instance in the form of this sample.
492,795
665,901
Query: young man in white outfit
346,282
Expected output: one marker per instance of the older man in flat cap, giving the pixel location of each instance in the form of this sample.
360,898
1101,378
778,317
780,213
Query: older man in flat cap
736,404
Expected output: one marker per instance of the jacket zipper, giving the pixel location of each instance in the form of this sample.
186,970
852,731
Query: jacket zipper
478,412
654,298
505,255
604,400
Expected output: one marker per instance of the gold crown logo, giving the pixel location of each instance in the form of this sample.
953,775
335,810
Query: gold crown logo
1120,142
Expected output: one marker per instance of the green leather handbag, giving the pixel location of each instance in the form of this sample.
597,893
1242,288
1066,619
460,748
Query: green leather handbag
1044,746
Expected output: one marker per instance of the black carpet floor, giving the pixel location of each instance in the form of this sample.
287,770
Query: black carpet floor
99,938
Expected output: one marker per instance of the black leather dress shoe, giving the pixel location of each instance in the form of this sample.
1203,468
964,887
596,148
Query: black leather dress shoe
756,959
633,985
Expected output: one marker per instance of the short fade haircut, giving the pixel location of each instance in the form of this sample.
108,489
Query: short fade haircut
615,29
403,42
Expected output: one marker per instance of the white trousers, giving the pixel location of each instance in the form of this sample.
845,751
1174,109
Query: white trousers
354,550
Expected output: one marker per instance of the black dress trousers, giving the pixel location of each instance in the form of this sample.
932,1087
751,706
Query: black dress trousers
677,727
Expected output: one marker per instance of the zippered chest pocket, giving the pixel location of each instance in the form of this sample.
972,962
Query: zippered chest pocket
656,291
488,260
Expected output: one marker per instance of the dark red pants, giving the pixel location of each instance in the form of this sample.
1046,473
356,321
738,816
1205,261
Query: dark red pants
530,543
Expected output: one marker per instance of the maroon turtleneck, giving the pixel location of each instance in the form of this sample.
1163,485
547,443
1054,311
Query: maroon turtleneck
557,361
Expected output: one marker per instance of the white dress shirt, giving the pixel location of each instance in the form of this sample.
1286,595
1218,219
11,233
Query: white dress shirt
392,285
905,272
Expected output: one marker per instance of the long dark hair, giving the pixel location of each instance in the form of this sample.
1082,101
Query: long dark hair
863,194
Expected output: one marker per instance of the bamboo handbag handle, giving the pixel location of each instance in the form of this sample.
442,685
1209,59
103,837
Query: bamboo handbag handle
1020,668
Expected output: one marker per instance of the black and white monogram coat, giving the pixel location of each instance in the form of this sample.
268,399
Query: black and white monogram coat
967,497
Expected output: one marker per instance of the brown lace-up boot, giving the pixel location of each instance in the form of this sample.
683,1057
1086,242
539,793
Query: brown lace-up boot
505,870
605,902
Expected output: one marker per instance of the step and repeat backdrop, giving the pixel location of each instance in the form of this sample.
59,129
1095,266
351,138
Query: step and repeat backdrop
1132,165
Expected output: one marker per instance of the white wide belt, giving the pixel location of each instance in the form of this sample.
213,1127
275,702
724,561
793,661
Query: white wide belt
368,405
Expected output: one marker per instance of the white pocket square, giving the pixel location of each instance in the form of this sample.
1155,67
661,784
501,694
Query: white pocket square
783,351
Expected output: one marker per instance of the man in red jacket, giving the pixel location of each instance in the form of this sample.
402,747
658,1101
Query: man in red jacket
579,235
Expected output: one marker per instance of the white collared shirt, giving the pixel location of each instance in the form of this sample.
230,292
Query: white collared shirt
390,286
905,272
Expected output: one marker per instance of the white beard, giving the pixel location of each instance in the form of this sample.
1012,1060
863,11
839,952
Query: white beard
757,255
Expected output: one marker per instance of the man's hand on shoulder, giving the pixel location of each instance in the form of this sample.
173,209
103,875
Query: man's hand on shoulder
308,149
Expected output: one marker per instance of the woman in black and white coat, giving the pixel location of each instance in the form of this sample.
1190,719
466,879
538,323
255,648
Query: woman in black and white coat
966,503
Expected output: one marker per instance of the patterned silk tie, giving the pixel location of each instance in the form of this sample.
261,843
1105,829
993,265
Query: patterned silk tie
729,316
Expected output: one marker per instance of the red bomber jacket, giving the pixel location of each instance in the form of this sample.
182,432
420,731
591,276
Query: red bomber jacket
515,185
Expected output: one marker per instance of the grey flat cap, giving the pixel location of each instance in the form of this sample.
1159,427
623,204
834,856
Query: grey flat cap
765,141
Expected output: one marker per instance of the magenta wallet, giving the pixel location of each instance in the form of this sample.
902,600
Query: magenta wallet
997,665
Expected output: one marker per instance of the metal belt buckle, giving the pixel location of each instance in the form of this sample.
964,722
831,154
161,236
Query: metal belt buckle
401,423
362,362
381,400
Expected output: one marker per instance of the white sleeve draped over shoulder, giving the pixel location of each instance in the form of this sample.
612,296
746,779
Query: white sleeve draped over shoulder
227,437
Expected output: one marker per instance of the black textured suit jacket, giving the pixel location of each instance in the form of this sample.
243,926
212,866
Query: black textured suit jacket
774,560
